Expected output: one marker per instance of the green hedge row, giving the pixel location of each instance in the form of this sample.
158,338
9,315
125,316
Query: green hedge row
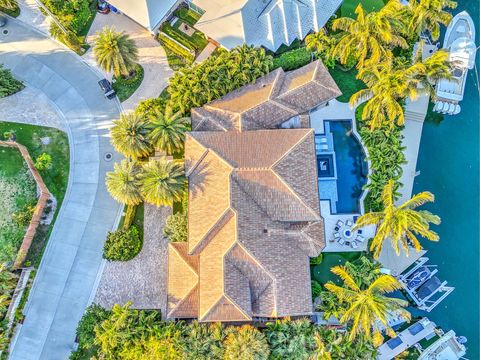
173,46
293,59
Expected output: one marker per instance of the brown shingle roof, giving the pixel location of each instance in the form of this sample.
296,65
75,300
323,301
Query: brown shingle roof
254,214
270,101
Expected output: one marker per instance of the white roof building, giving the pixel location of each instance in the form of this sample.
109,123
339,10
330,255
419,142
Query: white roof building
148,13
268,23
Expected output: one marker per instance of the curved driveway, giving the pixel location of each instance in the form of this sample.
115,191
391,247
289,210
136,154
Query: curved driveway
68,272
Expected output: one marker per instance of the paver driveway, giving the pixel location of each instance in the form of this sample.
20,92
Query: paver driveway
68,271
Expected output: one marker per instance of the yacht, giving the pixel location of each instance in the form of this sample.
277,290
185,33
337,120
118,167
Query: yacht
460,42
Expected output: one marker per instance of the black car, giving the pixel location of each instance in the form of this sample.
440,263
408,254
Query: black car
107,88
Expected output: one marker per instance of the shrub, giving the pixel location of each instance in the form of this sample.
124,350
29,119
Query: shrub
122,245
43,162
176,48
23,217
8,84
149,107
125,87
93,316
316,260
176,227
316,289
293,59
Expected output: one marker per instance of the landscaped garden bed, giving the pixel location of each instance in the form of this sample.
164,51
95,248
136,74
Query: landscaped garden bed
125,87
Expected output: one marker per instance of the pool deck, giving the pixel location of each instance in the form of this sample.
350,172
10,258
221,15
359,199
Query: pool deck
336,110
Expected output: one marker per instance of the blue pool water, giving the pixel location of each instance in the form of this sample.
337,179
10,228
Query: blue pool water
350,168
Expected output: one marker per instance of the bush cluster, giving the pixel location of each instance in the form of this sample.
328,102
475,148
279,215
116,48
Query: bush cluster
175,48
176,227
122,245
8,84
124,333
293,59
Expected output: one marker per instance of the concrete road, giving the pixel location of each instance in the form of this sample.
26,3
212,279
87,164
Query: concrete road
68,272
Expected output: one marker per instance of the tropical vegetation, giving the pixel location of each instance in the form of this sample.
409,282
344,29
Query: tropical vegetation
124,333
115,52
125,87
122,244
129,136
8,282
123,184
401,224
361,302
8,84
167,130
162,182
428,15
176,227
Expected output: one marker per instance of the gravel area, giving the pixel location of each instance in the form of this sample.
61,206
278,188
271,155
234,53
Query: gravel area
142,280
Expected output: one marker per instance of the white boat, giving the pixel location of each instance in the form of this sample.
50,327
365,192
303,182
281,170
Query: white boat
460,42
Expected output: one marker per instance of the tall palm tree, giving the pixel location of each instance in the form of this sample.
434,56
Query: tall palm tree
8,4
400,223
370,37
428,15
389,85
366,307
129,136
122,183
204,341
162,182
247,343
115,52
168,130
321,43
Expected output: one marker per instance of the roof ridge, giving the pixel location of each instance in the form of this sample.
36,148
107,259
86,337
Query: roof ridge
197,285
311,80
183,259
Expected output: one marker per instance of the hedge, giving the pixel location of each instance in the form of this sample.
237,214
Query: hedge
122,245
176,48
293,59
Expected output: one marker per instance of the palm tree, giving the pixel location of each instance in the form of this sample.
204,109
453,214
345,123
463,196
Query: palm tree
366,307
162,182
129,136
291,340
321,352
247,343
168,130
369,37
123,184
204,341
115,52
8,4
401,224
321,44
389,85
428,15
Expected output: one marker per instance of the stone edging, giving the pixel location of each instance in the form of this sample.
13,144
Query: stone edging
41,203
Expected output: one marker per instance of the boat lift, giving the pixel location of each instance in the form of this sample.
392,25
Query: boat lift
421,284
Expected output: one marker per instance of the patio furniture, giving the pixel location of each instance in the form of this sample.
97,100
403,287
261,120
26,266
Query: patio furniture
360,231
360,238
337,228
331,240
349,222
354,244
341,241
323,140
339,223
336,235
324,147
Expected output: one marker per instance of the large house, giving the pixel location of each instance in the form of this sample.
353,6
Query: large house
253,212
267,23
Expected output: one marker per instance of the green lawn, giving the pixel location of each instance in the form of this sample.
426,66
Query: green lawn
126,87
189,16
347,82
322,272
348,6
196,42
55,178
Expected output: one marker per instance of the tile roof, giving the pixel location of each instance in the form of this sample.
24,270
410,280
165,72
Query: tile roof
270,101
254,215
268,23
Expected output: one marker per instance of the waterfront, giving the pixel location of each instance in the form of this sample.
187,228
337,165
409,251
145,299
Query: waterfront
449,166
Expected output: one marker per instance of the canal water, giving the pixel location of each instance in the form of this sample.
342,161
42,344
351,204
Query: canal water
449,165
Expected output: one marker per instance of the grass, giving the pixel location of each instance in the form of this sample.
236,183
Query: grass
189,16
347,82
348,7
322,272
196,42
55,178
11,12
126,87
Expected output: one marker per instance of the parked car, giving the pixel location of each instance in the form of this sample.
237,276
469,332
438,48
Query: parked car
107,88
3,20
103,7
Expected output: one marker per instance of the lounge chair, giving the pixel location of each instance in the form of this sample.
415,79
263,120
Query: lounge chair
340,223
341,241
349,222
360,231
323,140
360,238
354,244
336,235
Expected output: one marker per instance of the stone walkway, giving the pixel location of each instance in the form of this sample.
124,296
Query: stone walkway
67,274
142,280
31,106
151,55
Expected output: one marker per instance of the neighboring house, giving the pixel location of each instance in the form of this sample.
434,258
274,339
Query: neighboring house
253,203
267,23
148,13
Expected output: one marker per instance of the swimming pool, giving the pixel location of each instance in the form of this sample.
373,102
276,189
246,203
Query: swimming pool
350,166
